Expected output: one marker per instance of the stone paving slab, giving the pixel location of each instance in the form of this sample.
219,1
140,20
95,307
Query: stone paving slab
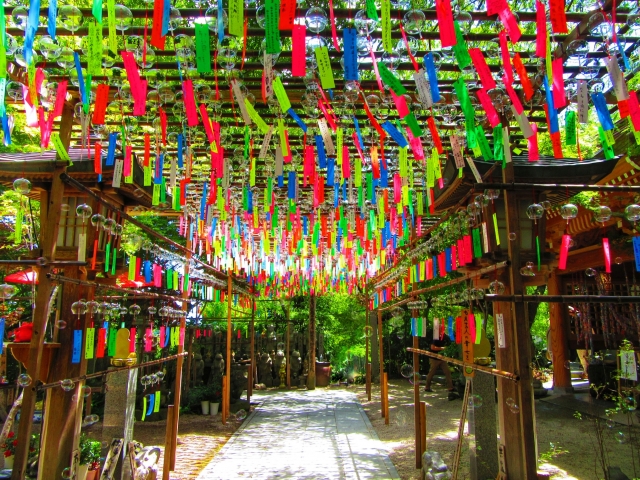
319,434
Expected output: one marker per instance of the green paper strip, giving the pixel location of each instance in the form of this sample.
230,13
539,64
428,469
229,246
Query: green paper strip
163,191
144,408
96,9
113,39
570,128
255,117
203,48
324,68
17,233
155,199
89,343
498,145
372,11
460,48
495,228
156,403
387,43
281,95
271,28
94,52
413,125
107,256
236,18
390,80
538,250
113,261
132,268
111,343
477,243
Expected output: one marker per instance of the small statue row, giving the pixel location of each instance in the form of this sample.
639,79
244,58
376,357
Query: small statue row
272,371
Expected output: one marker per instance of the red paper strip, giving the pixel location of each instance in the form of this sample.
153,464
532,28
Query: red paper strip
298,51
623,108
510,24
524,78
376,71
163,125
190,103
454,258
102,337
468,249
634,110
287,14
482,68
556,142
346,164
207,123
397,190
97,158
532,144
541,30
564,252
157,40
471,319
445,23
434,133
490,110
559,98
607,255
147,150
496,6
334,33
100,106
558,17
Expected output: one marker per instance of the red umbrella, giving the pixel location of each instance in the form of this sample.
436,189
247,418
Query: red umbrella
25,276
124,282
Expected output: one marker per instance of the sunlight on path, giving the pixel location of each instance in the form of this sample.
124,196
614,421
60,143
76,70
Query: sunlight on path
320,434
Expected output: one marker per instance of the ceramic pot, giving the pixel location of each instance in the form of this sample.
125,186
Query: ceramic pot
205,407
213,408
8,462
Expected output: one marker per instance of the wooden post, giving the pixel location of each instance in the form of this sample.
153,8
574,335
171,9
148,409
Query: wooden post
423,429
367,365
416,404
386,399
288,352
50,214
227,394
311,378
62,415
252,351
381,348
368,382
168,444
190,374
223,413
522,451
177,398
559,345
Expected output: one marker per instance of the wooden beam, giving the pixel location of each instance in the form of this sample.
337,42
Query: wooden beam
381,361
227,395
252,351
416,404
311,377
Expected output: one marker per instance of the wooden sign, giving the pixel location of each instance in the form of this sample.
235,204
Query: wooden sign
502,463
467,344
111,461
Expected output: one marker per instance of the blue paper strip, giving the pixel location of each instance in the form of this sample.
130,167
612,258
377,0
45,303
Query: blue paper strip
150,404
603,112
554,126
298,120
395,133
220,23
3,90
166,14
77,346
51,24
147,271
180,147
636,251
358,133
625,59
81,86
111,152
157,178
203,200
430,65
2,322
291,184
322,155
349,36
447,259
30,32
331,165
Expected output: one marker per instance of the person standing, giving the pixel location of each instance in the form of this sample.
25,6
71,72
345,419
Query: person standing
437,346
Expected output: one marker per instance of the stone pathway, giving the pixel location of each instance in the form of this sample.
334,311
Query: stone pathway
319,434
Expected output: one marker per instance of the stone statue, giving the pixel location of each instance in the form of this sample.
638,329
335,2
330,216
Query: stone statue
208,364
197,369
278,361
264,370
217,369
283,371
434,468
296,365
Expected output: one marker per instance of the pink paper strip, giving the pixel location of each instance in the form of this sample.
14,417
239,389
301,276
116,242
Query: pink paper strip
541,30
132,339
207,123
298,51
126,171
517,104
564,252
472,326
346,164
401,104
356,141
397,189
559,98
482,68
510,24
445,23
334,33
148,337
375,70
468,249
190,103
496,6
607,255
506,56
532,144
492,115
140,103
454,258
182,336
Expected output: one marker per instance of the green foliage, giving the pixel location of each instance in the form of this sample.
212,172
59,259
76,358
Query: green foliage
89,450
166,226
540,325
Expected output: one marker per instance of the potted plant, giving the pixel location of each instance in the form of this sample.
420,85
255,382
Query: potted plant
10,444
89,456
197,396
215,394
